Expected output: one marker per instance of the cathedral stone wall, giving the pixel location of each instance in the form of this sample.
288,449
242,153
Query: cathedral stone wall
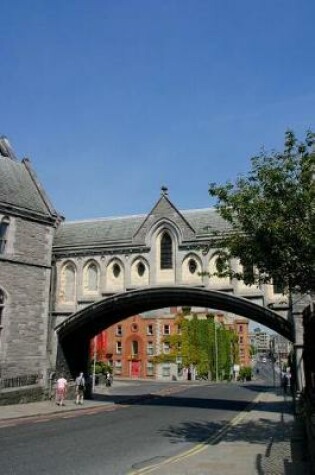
25,280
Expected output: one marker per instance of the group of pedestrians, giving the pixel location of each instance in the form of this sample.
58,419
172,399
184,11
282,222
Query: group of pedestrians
62,388
81,384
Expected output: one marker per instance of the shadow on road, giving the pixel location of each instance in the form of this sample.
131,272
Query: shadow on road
174,400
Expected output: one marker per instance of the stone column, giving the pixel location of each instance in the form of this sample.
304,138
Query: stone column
298,349
297,320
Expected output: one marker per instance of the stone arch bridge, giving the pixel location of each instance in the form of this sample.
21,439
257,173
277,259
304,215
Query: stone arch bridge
75,332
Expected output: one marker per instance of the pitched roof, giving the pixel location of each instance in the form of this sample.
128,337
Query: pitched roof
21,190
120,230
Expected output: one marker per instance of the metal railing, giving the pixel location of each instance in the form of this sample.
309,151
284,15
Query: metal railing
19,381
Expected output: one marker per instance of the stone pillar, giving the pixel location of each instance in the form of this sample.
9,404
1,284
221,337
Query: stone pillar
297,319
62,366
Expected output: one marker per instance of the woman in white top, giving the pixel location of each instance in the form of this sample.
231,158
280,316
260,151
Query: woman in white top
61,389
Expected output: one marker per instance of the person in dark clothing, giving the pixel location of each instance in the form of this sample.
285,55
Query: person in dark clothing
79,388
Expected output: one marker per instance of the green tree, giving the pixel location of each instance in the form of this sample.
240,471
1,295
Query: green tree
271,212
196,345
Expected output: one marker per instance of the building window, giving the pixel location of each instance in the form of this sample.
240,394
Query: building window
278,286
240,328
119,331
150,368
141,269
179,329
134,348
192,266
166,370
166,251
248,271
116,270
92,277
118,348
166,330
150,348
68,282
118,367
4,224
150,330
166,347
241,339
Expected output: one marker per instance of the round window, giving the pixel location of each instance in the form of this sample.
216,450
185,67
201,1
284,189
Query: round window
141,269
116,270
134,327
192,265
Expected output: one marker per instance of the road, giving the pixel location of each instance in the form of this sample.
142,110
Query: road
127,437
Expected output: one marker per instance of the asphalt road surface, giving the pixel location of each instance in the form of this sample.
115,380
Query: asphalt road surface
126,437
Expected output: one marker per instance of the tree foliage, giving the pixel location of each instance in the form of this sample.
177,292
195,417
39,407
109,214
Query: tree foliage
271,212
196,346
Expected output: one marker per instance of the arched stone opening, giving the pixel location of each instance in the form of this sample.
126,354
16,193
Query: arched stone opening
75,332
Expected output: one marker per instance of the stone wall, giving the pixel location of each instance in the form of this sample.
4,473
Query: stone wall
25,281
22,395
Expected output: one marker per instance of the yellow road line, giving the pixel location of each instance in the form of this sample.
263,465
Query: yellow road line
199,447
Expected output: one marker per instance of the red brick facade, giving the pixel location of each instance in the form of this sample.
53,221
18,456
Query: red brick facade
129,346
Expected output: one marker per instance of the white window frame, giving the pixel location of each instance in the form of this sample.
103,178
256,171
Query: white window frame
166,329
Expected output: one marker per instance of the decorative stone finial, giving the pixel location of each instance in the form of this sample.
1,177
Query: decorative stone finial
164,190
6,149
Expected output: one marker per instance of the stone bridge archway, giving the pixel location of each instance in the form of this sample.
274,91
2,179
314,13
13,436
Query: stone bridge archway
76,331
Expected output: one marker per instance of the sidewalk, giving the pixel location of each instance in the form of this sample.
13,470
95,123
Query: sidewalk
266,440
41,408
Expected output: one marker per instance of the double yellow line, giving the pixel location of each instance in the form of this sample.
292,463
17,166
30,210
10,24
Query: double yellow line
212,440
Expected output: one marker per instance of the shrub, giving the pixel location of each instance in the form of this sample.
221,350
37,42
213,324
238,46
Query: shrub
245,373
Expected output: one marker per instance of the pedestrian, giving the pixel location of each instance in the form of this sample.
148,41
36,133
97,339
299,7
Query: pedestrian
79,388
286,383
61,390
108,379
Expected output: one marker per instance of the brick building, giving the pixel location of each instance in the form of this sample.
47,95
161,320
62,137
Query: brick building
130,346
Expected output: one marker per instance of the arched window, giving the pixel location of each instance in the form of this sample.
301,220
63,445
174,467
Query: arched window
92,277
2,303
192,266
69,282
166,251
134,348
4,224
116,270
141,269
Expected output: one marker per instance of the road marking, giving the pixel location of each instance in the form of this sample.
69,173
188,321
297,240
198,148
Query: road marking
213,439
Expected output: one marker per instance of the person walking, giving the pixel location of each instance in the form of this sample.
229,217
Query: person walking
61,389
108,381
79,388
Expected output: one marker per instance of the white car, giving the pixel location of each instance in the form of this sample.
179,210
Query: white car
264,360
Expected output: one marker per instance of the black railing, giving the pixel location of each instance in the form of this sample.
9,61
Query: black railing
19,381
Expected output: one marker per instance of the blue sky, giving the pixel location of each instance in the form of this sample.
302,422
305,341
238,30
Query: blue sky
112,99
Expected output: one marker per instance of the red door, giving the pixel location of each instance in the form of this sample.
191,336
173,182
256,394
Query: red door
135,369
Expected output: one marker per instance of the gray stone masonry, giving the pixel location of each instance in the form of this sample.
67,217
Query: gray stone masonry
25,280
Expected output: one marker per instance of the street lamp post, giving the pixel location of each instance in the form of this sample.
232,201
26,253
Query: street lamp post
94,363
216,353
